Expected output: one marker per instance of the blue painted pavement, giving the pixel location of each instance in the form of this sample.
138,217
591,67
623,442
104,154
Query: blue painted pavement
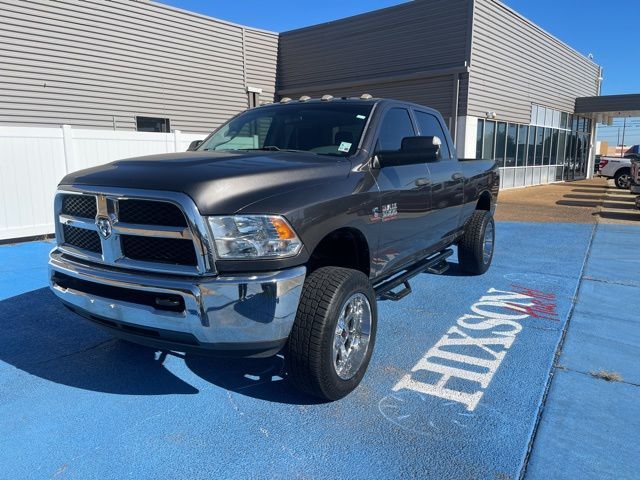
23,267
590,427
453,390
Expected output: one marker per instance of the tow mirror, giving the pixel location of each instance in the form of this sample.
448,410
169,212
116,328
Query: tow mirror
413,150
194,145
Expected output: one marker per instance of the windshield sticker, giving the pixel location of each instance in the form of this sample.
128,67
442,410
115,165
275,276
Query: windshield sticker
360,117
344,147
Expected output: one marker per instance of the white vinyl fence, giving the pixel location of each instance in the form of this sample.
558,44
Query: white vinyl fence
34,159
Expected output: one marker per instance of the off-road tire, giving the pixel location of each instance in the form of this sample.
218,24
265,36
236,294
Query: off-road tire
471,245
309,351
620,176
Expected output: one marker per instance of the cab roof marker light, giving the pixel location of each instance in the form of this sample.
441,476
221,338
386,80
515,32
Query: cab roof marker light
305,98
365,96
285,100
327,98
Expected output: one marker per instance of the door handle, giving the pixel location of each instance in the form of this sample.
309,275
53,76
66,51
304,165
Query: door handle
457,176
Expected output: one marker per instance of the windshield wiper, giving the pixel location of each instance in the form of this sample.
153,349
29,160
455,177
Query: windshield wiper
273,148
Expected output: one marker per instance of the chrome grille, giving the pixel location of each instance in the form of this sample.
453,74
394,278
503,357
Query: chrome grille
143,230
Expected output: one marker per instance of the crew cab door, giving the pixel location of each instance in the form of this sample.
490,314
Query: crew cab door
447,182
405,196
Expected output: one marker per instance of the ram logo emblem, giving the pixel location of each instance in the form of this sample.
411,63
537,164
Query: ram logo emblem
104,227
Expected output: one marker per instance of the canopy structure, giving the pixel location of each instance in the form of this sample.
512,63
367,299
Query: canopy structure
604,109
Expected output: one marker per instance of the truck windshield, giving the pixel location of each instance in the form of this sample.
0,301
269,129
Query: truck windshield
322,128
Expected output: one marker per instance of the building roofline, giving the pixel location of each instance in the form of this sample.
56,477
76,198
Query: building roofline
404,4
407,3
542,30
203,16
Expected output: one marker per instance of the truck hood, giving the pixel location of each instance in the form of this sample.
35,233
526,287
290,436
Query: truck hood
218,182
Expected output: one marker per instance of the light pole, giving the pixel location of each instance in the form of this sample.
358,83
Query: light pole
624,128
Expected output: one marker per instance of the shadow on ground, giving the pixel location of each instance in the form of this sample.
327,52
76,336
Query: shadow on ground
571,184
41,337
262,378
594,196
635,216
621,204
584,197
591,190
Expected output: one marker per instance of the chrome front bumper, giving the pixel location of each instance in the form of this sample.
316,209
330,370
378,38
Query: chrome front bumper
249,314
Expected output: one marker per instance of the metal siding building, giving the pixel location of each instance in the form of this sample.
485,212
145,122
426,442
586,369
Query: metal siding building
487,69
514,64
414,51
506,87
102,64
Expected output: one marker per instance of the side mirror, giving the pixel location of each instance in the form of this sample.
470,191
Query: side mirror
194,145
413,150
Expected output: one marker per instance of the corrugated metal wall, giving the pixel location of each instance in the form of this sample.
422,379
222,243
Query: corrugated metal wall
261,53
410,52
515,63
88,63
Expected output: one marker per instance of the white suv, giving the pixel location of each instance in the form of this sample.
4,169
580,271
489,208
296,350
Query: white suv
618,168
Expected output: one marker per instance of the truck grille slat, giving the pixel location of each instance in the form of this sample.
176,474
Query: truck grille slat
83,206
145,212
164,250
81,238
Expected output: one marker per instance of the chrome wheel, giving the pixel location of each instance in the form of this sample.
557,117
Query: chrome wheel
487,243
351,339
624,181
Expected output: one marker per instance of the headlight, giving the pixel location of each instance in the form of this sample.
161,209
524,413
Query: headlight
241,237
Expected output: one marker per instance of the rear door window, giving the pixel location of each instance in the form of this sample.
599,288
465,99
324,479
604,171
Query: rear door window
395,126
430,127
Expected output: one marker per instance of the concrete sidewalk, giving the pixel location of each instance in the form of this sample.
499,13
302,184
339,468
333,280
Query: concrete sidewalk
590,423
586,201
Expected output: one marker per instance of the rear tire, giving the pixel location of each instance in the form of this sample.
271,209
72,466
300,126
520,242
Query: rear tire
475,249
622,178
334,333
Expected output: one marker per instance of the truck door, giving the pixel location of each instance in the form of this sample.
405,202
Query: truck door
405,198
447,182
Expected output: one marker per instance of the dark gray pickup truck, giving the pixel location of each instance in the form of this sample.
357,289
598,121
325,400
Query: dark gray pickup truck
278,233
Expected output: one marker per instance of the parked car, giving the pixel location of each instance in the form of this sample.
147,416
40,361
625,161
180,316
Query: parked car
281,230
617,168
634,186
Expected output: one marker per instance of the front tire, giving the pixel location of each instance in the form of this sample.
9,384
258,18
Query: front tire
622,178
475,249
334,333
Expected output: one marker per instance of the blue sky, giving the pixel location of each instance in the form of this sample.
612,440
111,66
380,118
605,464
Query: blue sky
611,33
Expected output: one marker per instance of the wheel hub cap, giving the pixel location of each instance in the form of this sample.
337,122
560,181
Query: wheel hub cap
351,339
625,180
487,244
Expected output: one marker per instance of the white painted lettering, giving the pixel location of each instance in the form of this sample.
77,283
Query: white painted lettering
497,309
